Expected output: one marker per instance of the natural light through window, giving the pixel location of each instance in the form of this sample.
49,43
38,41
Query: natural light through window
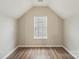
40,27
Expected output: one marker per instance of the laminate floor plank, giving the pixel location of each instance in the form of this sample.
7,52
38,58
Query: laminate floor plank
40,53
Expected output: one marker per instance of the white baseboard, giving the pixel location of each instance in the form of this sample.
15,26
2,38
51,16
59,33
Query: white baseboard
40,46
9,53
70,52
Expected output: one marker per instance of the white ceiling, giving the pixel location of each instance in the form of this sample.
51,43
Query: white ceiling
16,8
65,8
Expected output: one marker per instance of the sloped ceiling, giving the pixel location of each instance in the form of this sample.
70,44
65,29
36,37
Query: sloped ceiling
16,8
65,8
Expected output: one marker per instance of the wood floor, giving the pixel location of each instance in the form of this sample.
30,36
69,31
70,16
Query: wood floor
40,53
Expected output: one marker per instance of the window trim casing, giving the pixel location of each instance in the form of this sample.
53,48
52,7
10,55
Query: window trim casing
35,37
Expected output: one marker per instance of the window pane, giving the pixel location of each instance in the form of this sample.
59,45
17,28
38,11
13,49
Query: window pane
40,27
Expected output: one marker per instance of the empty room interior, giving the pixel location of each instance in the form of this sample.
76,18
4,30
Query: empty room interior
39,29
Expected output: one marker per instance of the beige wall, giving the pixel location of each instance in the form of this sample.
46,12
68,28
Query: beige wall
7,35
55,28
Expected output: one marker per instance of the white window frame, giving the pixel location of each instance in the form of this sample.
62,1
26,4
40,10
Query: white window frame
36,37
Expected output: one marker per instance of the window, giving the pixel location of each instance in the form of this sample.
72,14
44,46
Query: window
40,27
